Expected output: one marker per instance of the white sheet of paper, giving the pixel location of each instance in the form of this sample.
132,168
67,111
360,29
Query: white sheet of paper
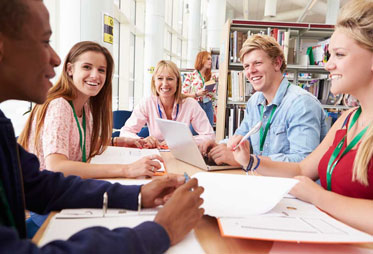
129,181
62,229
295,221
228,195
124,155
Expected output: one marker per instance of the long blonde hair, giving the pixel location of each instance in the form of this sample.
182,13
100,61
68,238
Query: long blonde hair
100,104
356,19
170,66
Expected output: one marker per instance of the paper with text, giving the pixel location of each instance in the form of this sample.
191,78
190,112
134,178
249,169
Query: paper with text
228,195
124,155
64,228
295,221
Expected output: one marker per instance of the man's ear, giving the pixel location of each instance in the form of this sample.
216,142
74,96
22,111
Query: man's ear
277,63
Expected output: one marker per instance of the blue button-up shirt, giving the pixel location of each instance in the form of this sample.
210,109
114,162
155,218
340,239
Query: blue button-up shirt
298,124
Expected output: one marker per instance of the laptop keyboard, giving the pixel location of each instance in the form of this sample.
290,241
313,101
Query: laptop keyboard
209,161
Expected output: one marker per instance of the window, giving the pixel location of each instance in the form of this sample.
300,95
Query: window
116,53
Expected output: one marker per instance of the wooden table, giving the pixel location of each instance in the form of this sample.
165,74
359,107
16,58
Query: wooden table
209,237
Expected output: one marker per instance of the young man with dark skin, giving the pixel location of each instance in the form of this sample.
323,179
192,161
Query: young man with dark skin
26,65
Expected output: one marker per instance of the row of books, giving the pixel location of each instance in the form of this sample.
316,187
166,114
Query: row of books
234,116
215,61
238,88
237,38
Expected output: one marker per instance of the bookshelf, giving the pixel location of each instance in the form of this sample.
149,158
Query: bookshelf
293,36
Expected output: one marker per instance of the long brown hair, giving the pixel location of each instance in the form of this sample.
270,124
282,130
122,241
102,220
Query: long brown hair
356,20
171,67
200,62
100,104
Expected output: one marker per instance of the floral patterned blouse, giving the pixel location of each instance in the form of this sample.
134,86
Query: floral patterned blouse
193,84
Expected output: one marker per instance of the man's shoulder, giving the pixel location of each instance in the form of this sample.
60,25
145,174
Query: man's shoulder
297,94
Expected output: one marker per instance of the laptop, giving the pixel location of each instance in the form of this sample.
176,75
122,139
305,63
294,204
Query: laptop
180,141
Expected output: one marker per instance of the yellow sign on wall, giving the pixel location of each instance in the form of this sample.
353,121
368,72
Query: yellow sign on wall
108,29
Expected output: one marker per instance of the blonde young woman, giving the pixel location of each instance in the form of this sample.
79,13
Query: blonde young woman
167,102
344,159
75,122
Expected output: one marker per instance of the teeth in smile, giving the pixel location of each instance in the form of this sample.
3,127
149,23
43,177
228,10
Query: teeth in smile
255,78
92,83
334,76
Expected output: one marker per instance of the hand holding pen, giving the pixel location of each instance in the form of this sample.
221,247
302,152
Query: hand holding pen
253,130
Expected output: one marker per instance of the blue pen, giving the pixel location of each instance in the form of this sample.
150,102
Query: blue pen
187,178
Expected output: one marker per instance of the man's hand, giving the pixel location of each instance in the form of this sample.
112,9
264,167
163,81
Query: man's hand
222,154
181,212
206,146
158,191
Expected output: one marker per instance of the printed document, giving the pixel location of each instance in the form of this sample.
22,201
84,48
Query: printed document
293,220
124,155
70,221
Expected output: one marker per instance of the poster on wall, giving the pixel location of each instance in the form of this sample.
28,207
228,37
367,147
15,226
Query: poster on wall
108,29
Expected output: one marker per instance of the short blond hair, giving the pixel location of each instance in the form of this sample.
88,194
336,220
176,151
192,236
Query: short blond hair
266,43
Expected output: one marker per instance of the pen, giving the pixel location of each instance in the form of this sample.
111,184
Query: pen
187,178
254,130
104,204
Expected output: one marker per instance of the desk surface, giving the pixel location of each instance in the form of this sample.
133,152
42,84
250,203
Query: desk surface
208,233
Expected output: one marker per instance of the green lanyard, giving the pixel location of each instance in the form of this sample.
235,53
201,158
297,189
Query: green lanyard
263,133
5,204
203,80
334,159
82,146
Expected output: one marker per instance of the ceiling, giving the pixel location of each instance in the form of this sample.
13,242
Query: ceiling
287,10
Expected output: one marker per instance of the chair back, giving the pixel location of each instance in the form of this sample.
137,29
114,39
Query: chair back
120,117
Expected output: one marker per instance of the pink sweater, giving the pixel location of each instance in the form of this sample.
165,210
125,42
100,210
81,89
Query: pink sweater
190,112
60,134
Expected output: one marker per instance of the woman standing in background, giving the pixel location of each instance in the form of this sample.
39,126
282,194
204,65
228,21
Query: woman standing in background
194,84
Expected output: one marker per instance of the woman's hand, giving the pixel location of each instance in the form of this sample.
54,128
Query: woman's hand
151,142
201,93
130,142
307,190
146,166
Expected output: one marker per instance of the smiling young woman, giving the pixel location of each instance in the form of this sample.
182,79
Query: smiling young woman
75,122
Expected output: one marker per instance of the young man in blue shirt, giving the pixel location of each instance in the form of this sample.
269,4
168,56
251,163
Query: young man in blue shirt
293,121
26,64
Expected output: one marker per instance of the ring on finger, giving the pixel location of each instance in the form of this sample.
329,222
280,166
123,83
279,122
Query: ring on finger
153,169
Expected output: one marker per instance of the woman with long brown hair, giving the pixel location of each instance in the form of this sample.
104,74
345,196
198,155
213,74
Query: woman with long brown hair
75,122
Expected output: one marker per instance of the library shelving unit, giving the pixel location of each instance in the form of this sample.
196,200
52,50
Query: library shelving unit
296,32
